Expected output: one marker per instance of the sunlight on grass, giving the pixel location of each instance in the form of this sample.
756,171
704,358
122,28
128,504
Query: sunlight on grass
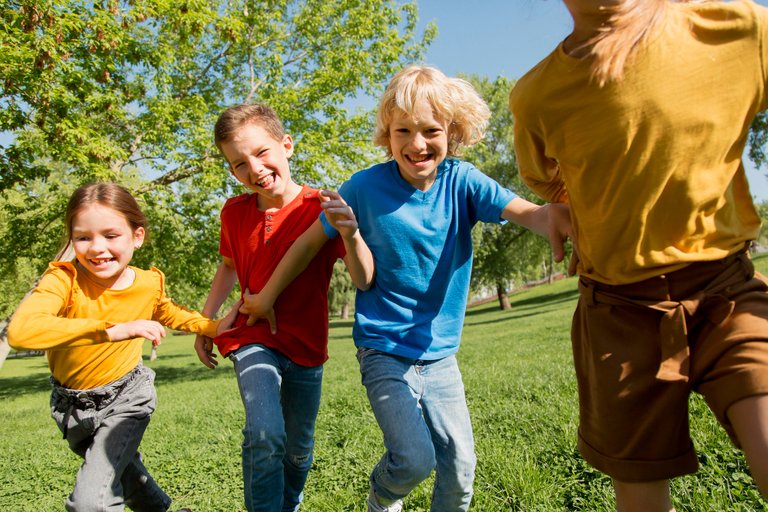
521,391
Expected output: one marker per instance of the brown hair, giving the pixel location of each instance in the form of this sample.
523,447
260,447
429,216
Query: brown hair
453,100
235,117
109,195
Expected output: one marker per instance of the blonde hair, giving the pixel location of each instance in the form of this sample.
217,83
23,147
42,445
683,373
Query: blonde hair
453,100
628,26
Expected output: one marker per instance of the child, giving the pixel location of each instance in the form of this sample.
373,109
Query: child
91,316
638,120
416,214
279,373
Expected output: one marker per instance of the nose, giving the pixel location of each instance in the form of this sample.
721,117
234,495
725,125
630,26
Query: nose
418,142
98,245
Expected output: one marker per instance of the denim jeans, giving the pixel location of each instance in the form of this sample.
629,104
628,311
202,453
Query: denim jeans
104,426
422,412
281,401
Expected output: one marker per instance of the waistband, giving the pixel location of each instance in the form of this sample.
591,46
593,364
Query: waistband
96,398
712,301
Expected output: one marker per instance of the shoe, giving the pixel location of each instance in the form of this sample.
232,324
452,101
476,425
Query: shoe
374,506
184,510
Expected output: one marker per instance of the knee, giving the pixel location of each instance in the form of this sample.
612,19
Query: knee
300,461
417,464
265,441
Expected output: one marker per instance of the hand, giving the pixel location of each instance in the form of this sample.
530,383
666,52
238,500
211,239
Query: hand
148,329
560,229
204,349
255,307
229,319
338,213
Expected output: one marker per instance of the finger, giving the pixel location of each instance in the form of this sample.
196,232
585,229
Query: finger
272,321
251,320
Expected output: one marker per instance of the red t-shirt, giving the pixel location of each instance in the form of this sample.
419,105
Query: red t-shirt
256,241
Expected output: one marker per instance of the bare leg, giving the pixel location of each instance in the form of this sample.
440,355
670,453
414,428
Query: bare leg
643,496
750,422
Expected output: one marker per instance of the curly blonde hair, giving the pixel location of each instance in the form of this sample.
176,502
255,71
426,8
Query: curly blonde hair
453,100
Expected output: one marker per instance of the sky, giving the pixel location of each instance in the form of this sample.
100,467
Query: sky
506,38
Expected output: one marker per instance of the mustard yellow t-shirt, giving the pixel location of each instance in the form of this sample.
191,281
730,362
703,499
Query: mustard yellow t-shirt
651,165
68,313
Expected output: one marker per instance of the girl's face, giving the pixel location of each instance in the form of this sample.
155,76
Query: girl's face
419,142
104,243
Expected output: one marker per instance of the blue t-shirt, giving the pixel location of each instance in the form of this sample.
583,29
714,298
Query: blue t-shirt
422,248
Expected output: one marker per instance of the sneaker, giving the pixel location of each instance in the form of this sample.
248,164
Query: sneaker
374,506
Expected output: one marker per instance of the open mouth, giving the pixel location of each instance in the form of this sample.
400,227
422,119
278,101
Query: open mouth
100,262
266,181
419,159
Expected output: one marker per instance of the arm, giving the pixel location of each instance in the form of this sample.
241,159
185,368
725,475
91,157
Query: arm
359,260
552,220
293,263
223,282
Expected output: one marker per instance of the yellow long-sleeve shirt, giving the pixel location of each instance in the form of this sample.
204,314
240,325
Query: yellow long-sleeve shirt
68,314
651,164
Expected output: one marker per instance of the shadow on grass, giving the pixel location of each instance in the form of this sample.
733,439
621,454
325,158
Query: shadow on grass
536,301
191,373
11,387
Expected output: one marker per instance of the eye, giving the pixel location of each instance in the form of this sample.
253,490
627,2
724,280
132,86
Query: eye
81,238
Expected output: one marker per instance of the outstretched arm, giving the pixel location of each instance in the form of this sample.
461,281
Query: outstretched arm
551,220
359,260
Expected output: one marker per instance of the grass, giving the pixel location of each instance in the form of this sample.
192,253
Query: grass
520,388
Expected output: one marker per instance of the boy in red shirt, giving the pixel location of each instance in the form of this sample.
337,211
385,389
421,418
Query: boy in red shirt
279,373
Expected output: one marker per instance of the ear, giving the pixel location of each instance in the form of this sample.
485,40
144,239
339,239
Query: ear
288,145
138,237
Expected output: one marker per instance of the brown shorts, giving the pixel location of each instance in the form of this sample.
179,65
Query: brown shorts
634,385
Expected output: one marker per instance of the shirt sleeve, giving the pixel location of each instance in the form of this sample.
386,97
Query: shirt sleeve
178,317
540,172
41,323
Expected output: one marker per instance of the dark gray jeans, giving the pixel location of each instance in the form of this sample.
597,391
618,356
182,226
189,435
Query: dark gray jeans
104,426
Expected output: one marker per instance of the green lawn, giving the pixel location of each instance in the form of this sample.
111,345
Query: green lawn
521,392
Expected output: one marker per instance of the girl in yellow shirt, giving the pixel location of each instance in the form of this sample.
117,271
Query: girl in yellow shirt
92,316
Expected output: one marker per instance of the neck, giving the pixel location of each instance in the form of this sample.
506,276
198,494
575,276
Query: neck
587,22
276,202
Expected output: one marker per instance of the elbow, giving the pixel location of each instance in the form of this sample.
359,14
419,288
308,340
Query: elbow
15,335
366,283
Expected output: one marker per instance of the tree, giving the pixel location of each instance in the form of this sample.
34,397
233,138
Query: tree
128,91
341,292
509,253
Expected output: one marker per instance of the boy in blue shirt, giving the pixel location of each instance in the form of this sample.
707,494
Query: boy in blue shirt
416,213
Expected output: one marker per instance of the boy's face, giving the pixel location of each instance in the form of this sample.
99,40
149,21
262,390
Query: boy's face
260,162
419,143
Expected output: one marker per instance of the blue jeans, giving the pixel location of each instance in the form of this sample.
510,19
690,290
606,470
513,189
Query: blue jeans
104,426
422,412
281,401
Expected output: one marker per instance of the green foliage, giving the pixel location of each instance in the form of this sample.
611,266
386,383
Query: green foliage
521,392
341,292
509,254
128,91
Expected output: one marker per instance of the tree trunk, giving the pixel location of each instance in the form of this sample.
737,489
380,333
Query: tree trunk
501,290
551,277
345,311
65,254
5,348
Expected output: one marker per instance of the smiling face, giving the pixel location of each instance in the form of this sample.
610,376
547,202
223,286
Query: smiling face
104,243
260,162
419,143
